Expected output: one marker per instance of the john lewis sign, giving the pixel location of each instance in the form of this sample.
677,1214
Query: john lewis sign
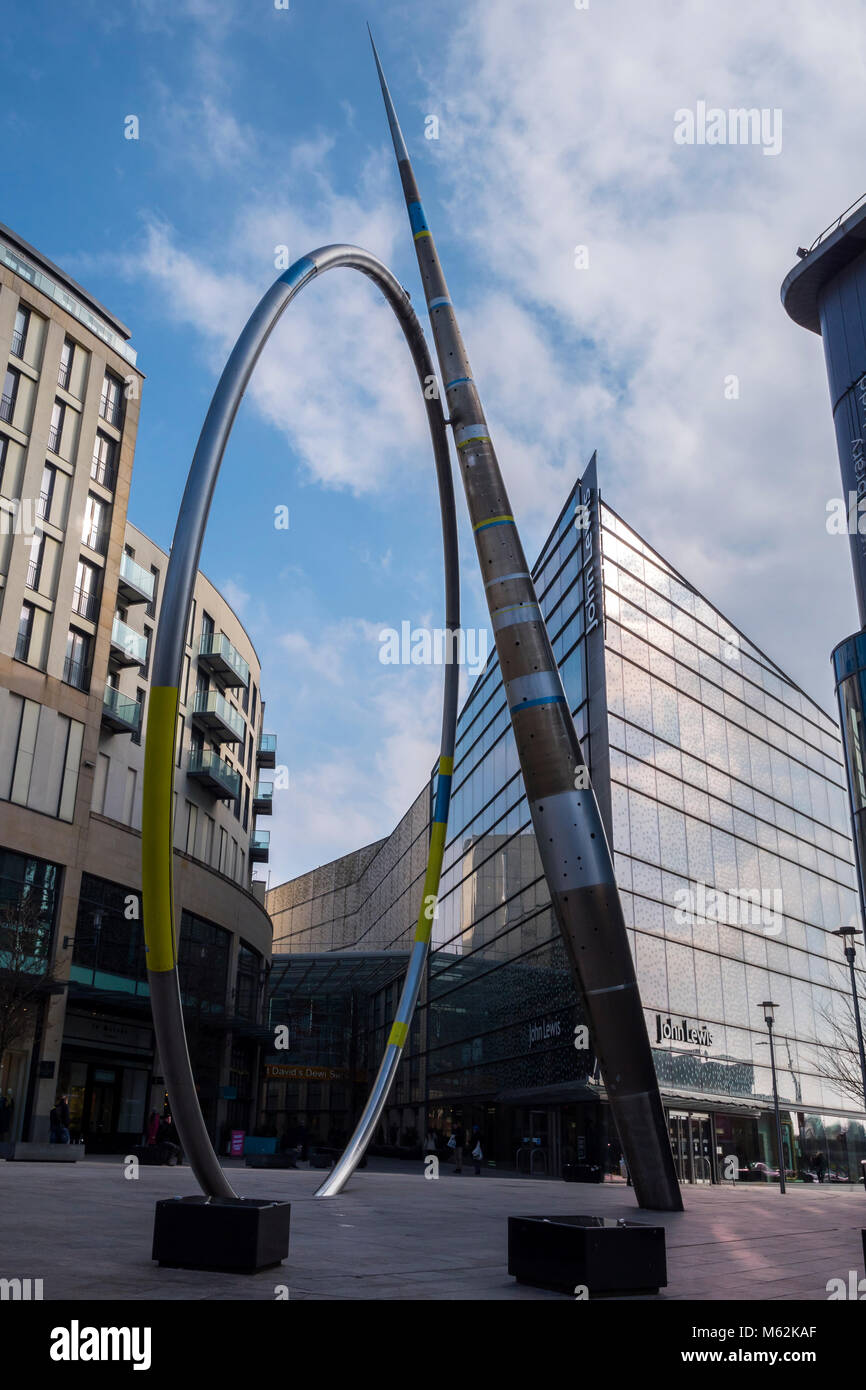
667,1030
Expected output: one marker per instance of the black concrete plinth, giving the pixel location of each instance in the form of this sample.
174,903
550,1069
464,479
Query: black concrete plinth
582,1172
602,1254
237,1234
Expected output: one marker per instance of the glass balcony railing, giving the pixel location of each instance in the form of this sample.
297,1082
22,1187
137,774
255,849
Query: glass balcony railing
260,845
210,769
132,576
215,712
119,711
217,653
128,645
266,753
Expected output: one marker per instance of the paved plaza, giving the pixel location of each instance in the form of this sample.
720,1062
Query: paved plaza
86,1231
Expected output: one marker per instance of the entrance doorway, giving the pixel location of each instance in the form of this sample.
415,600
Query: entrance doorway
107,1104
538,1144
691,1135
103,1102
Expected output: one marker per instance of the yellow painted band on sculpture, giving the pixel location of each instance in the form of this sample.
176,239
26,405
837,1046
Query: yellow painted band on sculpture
398,1035
431,880
156,829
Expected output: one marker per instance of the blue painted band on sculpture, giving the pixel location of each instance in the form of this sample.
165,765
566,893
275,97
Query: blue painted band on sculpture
544,700
417,219
299,271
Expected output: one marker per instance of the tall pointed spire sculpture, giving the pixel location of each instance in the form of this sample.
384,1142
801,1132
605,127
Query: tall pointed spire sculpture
575,855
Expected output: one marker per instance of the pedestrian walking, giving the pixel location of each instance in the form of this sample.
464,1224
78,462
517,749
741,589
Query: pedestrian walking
167,1136
457,1142
477,1149
59,1121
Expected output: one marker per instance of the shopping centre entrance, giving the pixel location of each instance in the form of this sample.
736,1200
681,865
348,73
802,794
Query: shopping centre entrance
692,1144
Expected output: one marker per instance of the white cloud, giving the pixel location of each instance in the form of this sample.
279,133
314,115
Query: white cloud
557,131
235,596
562,137
358,747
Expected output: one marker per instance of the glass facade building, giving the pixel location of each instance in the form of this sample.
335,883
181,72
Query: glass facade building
329,1014
722,789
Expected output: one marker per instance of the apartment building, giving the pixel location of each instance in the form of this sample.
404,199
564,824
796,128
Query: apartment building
80,591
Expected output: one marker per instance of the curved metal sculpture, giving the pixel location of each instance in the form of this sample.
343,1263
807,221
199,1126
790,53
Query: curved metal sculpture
157,860
572,844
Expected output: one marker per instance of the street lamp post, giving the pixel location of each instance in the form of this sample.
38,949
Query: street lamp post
768,1006
847,934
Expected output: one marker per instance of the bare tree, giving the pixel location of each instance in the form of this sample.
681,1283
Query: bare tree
839,1060
24,975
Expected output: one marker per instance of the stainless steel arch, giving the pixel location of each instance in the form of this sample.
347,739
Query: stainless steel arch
157,866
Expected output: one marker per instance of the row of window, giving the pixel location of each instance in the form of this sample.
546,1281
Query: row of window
96,524
199,842
111,398
103,470
110,406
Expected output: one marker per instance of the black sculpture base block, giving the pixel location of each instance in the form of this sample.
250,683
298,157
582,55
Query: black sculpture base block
235,1234
604,1255
582,1172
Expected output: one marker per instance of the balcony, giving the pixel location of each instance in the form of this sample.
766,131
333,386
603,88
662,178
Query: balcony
263,800
266,753
134,584
209,769
217,655
119,713
128,648
214,713
260,846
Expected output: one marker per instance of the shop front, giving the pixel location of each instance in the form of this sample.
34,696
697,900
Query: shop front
534,1131
741,1146
106,1069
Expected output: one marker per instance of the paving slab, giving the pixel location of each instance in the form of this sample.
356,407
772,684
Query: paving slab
86,1230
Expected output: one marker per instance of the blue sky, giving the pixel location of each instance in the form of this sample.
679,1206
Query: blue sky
262,127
